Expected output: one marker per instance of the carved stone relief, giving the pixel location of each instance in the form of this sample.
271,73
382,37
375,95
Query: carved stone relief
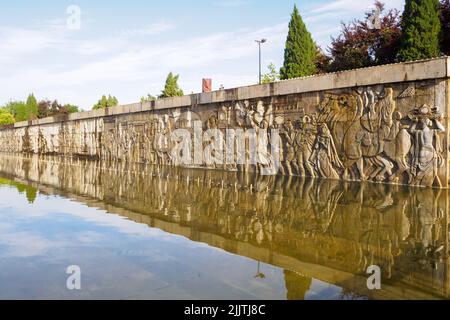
378,134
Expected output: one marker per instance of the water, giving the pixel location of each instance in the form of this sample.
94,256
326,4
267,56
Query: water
140,232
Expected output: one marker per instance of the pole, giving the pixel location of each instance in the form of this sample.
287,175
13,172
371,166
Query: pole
260,80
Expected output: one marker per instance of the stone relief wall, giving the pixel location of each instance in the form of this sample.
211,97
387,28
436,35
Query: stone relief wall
392,133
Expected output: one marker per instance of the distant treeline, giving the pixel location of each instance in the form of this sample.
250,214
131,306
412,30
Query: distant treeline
31,109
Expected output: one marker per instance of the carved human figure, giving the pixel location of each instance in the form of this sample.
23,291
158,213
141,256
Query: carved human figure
427,156
133,144
325,156
278,126
107,142
304,141
397,146
260,120
163,141
42,143
288,140
148,143
213,125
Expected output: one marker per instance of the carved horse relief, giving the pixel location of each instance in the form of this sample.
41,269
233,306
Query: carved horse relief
366,137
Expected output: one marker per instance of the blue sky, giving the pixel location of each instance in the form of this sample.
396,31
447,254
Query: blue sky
127,48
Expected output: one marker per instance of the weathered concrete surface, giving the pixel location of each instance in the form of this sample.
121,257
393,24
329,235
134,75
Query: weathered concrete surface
382,124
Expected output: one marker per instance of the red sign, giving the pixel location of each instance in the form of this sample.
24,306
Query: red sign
207,85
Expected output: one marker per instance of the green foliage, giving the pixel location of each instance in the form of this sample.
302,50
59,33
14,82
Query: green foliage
148,98
106,102
270,76
171,89
421,27
32,108
6,117
300,52
70,108
18,109
24,111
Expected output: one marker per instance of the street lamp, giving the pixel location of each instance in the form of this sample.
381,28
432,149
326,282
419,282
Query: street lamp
259,44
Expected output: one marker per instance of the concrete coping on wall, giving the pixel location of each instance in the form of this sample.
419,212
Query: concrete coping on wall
392,73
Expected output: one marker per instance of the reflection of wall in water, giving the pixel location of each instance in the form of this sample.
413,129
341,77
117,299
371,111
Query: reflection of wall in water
341,225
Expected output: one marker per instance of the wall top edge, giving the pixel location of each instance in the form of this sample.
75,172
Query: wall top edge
448,67
392,73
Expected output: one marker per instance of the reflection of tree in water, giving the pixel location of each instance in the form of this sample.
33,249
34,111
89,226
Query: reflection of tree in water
297,285
29,191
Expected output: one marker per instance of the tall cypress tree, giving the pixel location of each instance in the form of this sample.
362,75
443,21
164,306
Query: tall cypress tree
32,106
421,29
300,53
171,88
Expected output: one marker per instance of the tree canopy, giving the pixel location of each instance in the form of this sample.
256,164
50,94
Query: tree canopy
300,52
272,75
148,98
445,24
106,102
421,30
6,117
171,88
362,44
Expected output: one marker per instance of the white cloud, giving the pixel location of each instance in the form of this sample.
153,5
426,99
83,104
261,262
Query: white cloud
23,244
350,7
111,67
152,29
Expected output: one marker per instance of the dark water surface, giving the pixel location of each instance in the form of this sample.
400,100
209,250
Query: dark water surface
158,233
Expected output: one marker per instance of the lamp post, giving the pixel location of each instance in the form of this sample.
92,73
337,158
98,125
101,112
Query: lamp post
259,44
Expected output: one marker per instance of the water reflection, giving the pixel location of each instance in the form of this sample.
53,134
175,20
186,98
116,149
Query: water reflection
321,233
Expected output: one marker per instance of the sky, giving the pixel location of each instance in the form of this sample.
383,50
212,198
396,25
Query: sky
127,48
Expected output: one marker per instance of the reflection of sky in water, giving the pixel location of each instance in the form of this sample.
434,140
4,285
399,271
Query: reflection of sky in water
119,258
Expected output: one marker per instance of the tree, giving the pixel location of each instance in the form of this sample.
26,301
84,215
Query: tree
24,111
171,88
71,108
47,108
364,43
106,102
148,98
44,109
300,51
421,27
445,24
322,61
18,109
272,75
6,117
32,108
